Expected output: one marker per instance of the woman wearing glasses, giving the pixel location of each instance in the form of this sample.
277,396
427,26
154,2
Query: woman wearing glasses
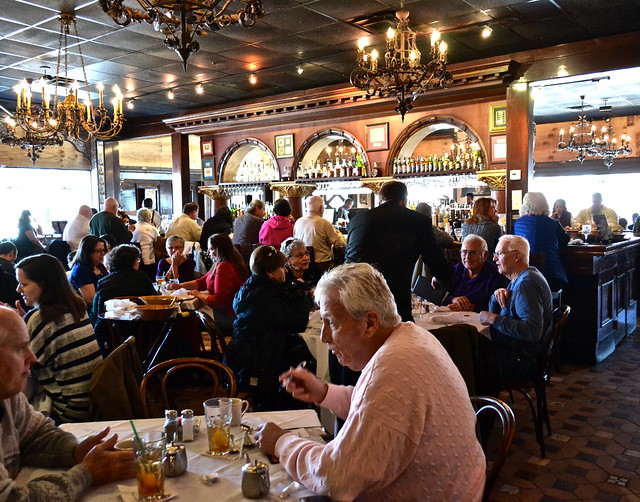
265,334
176,265
87,268
300,270
475,278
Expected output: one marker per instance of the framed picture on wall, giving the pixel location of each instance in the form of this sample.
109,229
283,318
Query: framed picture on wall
284,146
208,169
377,137
499,148
207,147
498,118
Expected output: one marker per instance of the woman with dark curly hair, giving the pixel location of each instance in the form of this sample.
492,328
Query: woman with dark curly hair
219,223
61,336
265,334
87,267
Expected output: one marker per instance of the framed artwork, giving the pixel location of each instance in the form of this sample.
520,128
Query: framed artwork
377,137
497,118
207,147
208,169
499,148
284,146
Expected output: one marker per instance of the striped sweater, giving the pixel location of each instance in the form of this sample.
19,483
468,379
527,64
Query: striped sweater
67,355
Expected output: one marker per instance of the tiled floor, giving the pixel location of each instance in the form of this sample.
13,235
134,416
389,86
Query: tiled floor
594,454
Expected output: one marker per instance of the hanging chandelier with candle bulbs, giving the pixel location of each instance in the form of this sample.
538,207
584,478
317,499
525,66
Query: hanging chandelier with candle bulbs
182,20
402,75
42,118
584,140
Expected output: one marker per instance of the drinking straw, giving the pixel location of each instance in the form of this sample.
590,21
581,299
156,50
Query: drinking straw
135,435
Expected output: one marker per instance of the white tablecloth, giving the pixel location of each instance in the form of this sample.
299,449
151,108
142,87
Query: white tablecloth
447,318
318,349
189,487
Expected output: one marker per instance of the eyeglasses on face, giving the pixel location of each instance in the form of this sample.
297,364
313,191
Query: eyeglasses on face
470,252
175,248
499,254
300,255
100,250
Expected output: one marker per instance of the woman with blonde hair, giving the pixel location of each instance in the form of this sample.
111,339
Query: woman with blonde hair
484,222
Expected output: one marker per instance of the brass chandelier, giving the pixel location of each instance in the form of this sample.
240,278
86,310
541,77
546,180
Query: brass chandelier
584,141
34,125
182,20
402,74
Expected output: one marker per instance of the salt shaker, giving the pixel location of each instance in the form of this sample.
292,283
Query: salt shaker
187,425
171,424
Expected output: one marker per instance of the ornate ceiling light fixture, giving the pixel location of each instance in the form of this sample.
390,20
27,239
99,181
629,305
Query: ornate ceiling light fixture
583,139
34,126
182,20
402,75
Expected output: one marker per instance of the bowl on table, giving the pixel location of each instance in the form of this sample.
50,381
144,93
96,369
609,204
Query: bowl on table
156,312
158,300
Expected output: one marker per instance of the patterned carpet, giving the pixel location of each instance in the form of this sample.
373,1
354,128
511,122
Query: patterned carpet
594,453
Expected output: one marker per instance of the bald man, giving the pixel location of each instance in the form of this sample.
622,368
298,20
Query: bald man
107,222
315,231
77,228
29,438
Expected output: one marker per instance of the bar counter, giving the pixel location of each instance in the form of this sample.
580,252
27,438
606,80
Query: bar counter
603,294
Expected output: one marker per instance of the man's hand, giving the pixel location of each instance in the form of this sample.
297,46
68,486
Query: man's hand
266,437
461,304
106,465
502,296
83,447
487,318
304,386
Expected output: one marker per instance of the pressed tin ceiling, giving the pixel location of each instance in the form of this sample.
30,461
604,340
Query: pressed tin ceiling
318,36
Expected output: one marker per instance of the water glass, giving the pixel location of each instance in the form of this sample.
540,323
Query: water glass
150,456
218,414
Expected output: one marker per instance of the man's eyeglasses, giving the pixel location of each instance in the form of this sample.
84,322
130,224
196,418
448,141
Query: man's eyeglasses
470,252
499,254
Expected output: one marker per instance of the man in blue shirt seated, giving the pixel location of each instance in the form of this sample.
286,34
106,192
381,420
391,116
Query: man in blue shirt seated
520,315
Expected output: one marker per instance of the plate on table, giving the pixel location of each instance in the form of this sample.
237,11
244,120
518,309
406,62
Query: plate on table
184,298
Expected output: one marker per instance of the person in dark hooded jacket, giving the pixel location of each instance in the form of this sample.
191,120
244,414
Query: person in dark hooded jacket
279,227
270,314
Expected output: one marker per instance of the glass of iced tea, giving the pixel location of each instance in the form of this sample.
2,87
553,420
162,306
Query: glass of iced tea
217,412
150,455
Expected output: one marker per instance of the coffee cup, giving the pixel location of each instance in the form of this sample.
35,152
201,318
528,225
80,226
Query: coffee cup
238,408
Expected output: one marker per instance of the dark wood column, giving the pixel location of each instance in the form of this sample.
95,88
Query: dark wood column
180,170
520,138
111,170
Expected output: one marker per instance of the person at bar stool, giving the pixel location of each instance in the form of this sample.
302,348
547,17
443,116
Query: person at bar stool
78,227
474,279
315,231
28,438
597,208
146,235
176,266
88,267
219,223
107,222
484,222
185,225
246,228
562,214
279,227
27,241
218,287
61,337
544,235
520,315
409,432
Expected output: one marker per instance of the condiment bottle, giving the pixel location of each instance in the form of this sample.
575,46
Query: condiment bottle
171,424
187,425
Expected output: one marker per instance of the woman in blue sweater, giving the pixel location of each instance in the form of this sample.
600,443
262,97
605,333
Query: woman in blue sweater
545,235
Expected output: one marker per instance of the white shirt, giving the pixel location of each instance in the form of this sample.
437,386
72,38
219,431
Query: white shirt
319,233
75,230
146,234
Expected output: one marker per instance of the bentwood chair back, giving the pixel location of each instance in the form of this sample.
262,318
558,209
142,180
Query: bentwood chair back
487,410
183,383
218,350
539,381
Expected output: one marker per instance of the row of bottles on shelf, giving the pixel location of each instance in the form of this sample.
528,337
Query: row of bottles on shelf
239,210
256,171
433,163
332,169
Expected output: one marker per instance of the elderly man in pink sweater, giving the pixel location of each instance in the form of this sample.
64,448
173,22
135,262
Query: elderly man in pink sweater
410,427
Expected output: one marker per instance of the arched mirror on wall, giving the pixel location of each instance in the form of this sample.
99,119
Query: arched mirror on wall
436,145
332,153
248,161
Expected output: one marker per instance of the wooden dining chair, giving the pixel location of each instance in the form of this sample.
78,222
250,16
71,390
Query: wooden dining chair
183,383
487,410
540,379
218,349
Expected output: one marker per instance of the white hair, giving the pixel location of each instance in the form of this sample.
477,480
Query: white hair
315,204
144,215
359,288
478,239
534,204
517,243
